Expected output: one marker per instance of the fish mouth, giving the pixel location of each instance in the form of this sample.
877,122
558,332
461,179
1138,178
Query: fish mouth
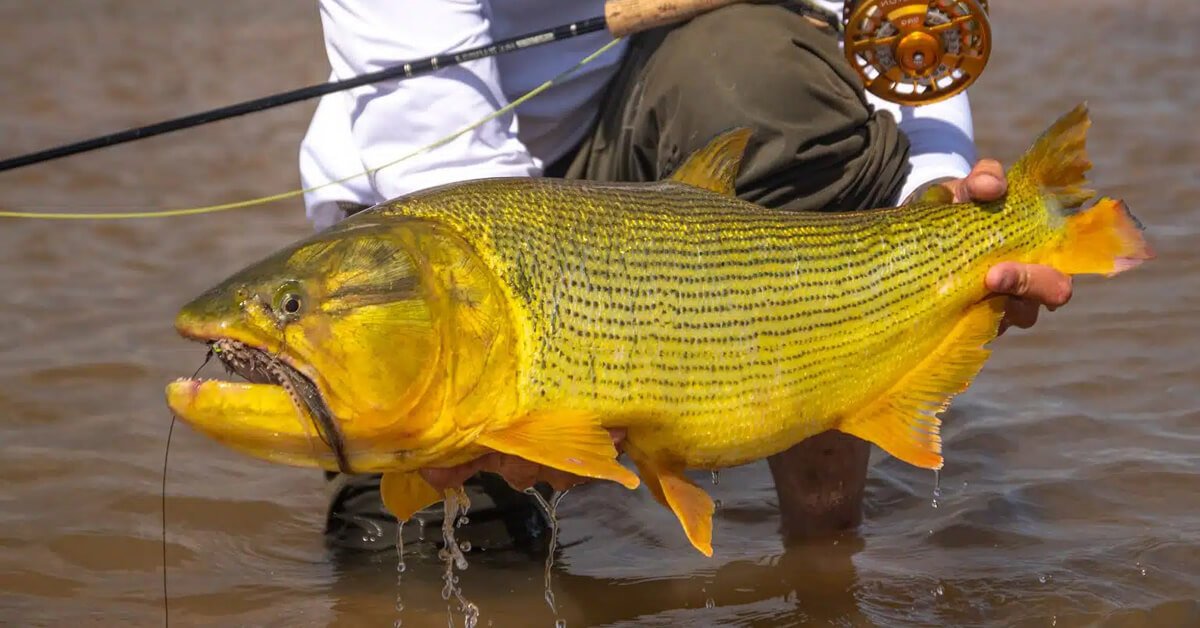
258,366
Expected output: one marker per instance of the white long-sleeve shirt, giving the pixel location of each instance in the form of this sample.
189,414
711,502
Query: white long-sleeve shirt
368,126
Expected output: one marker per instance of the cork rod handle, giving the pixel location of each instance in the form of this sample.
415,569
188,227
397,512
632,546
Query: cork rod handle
625,17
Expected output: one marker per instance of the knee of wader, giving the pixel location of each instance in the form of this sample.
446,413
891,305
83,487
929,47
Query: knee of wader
755,65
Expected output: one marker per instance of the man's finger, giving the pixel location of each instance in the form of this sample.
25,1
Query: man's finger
1041,284
986,181
1021,313
451,477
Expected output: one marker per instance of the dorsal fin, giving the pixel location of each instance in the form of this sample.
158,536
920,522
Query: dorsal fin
1058,161
715,167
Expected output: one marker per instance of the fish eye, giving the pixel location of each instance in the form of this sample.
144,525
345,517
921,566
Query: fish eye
289,300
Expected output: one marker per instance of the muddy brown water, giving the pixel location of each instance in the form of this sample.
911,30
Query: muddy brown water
1071,494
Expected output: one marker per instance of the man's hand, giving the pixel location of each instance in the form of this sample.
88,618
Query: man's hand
1030,285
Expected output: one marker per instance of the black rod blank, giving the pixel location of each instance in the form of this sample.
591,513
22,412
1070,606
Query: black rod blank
407,70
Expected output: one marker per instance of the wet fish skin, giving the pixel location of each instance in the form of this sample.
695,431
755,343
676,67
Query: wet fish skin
535,313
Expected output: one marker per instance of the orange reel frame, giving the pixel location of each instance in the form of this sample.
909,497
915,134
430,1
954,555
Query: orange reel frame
917,52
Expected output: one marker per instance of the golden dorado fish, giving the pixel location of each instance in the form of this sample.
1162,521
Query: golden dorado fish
527,316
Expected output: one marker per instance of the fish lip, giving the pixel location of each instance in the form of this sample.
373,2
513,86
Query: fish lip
281,371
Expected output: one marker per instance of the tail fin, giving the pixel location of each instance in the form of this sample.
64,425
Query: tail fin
1104,239
1057,161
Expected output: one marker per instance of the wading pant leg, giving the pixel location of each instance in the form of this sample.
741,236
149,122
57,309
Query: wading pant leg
817,146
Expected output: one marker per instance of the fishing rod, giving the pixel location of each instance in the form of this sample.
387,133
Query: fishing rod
910,52
621,18
907,51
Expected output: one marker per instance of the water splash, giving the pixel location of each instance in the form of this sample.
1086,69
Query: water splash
456,503
551,510
400,567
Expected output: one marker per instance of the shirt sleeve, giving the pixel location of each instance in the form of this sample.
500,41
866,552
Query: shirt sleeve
373,125
941,135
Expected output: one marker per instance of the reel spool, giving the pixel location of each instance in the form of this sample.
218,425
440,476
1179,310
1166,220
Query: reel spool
917,52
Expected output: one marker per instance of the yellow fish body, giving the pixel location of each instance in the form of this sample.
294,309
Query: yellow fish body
527,315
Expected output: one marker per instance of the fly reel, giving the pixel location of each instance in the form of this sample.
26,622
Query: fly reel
917,52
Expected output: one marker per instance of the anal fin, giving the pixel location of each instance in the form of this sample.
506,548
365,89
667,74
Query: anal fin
406,492
671,488
569,441
903,421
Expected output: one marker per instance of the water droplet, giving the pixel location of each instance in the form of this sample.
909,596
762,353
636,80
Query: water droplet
939,591
937,487
455,504
471,615
709,603
716,479
560,623
400,567
465,546
964,484
1054,620
551,510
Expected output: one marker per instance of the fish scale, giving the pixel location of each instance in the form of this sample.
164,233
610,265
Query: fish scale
717,311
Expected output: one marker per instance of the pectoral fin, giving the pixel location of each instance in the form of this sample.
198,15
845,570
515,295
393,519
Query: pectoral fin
903,421
404,493
691,505
565,440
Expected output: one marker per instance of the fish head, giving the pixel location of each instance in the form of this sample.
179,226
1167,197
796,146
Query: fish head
338,342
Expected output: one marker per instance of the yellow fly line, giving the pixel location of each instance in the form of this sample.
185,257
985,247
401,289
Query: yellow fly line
209,209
